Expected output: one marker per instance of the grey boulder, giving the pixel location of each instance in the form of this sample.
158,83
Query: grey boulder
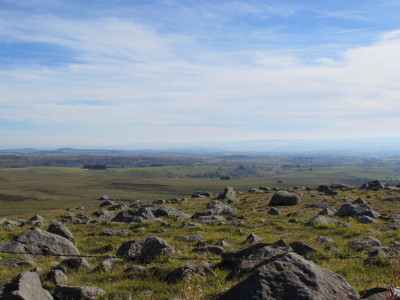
27,286
291,277
283,198
61,230
145,249
37,241
64,292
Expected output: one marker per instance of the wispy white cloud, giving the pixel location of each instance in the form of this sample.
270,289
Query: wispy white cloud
169,86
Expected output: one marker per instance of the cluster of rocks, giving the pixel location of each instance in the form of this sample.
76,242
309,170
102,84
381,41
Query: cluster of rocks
263,270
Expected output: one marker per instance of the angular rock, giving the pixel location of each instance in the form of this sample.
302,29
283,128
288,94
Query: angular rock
374,252
64,292
322,240
367,242
179,274
322,205
190,238
291,277
339,186
302,248
108,203
15,263
255,191
373,185
202,195
145,249
36,218
223,243
27,286
228,195
109,264
331,249
136,269
365,220
257,259
392,199
210,249
167,211
111,232
76,263
327,212
210,219
117,207
57,277
322,220
283,198
61,230
37,241
322,188
232,258
143,214
220,208
357,207
104,215
274,212
252,238
331,192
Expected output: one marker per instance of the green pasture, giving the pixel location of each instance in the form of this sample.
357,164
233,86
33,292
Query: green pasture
26,190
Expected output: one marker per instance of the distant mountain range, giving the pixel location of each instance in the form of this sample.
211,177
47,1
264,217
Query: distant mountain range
373,146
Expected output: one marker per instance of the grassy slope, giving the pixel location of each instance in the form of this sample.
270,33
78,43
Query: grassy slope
59,188
253,208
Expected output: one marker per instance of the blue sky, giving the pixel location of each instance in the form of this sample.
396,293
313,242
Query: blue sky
114,73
